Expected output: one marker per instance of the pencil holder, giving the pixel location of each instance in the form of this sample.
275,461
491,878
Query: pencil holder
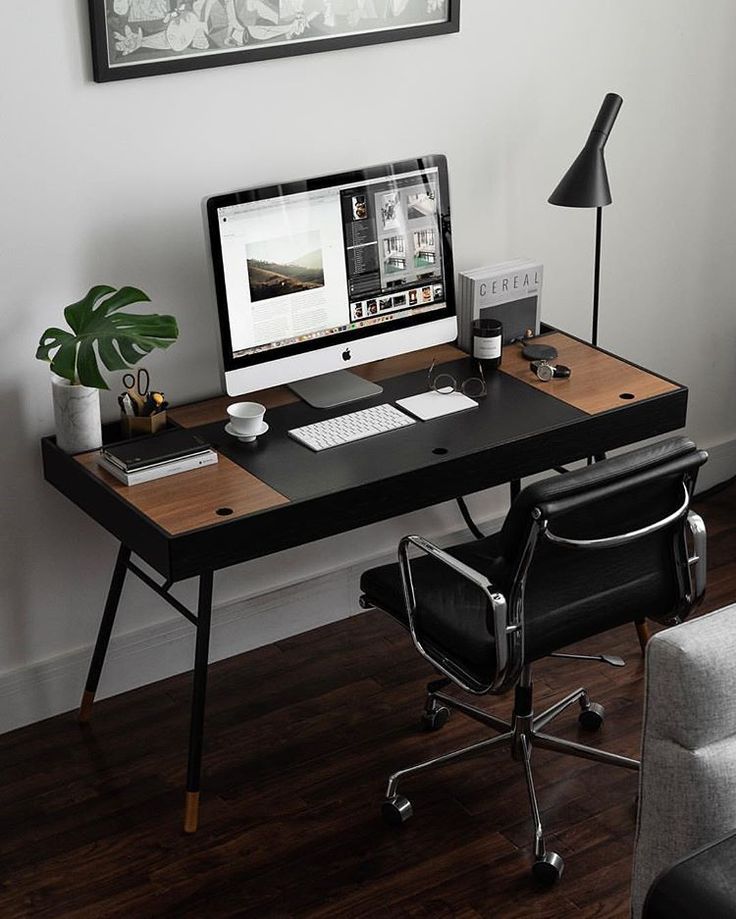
136,426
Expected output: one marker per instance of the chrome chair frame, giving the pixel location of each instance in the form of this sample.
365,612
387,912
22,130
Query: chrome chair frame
525,729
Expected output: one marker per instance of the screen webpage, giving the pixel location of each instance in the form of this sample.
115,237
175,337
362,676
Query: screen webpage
315,264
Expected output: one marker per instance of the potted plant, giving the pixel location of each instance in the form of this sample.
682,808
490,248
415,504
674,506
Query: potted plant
99,328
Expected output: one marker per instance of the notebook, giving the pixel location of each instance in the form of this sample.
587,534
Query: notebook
151,450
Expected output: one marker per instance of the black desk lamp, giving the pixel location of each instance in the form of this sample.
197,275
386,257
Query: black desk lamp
585,184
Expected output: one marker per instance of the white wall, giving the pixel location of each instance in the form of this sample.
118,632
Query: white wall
103,183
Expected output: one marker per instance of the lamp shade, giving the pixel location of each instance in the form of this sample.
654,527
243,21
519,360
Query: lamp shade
585,184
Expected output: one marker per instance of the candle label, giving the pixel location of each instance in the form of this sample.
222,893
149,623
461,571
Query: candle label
487,349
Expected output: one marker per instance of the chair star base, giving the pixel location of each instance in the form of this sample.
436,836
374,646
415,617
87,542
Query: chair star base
520,736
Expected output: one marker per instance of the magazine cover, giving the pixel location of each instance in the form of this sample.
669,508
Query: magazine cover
509,292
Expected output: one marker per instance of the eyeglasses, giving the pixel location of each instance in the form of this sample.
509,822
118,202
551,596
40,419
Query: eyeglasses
445,383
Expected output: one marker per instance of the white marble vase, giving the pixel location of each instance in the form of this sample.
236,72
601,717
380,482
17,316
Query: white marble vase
77,416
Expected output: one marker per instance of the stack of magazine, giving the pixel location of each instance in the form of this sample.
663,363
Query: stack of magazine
509,292
154,457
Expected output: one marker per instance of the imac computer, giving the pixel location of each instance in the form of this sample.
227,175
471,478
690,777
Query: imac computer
315,276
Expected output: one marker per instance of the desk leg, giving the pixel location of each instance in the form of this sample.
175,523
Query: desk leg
199,693
643,633
103,636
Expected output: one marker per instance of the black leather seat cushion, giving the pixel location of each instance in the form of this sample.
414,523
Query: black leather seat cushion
451,611
453,614
702,885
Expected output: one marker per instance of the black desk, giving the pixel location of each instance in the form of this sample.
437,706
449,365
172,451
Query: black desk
275,494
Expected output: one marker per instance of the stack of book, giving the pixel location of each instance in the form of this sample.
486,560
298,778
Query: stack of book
509,292
147,458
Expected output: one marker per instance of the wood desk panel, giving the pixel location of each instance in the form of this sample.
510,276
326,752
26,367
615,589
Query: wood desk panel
597,379
185,502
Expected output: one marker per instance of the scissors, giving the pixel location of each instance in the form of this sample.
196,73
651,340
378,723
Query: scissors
137,386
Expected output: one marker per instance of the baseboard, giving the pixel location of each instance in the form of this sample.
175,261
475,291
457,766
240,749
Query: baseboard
721,465
54,686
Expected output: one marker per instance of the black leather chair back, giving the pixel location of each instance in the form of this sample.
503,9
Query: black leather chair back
583,585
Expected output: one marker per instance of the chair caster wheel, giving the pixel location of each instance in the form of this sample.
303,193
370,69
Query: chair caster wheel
591,718
396,810
548,869
434,720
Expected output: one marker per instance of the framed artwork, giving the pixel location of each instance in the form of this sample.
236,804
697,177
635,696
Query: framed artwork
138,38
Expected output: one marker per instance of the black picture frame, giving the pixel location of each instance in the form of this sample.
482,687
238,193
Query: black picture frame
105,23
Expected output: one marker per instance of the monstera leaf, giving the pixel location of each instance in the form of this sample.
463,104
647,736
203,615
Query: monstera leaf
121,339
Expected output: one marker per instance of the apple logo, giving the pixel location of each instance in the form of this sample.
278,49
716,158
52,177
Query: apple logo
346,354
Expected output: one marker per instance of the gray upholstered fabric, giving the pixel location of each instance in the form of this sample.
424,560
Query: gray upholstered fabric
687,790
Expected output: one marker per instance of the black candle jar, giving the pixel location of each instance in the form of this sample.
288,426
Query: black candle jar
488,343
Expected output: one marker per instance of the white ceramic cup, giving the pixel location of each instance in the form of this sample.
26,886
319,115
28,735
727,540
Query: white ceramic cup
246,418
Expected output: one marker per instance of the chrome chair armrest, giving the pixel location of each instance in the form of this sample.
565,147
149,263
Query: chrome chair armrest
496,601
698,560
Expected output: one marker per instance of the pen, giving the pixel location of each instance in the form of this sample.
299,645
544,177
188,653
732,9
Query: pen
126,404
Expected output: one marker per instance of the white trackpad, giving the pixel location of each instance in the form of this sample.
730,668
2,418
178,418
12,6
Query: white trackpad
434,404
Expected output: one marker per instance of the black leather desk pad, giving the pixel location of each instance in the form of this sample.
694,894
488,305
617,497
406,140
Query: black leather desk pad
510,412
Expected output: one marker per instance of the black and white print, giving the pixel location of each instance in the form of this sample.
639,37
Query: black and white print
136,37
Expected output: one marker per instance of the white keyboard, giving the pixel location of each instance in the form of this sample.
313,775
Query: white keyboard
348,428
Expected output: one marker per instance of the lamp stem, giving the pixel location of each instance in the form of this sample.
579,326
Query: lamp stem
597,275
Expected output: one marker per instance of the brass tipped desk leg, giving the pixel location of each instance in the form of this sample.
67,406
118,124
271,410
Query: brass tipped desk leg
644,633
199,692
191,812
103,636
85,707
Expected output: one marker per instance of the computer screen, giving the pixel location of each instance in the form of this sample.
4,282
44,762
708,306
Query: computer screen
328,261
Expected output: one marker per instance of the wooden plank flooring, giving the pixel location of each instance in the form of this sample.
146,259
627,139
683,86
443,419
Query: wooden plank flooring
301,737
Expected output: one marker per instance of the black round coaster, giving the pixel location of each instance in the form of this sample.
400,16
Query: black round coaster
539,352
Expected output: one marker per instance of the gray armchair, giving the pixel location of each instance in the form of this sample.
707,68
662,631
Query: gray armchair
687,794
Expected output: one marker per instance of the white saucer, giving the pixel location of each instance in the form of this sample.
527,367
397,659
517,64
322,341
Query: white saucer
245,438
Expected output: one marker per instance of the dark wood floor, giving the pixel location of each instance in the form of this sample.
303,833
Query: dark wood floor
301,737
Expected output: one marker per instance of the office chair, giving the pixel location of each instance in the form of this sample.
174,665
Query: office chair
577,555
